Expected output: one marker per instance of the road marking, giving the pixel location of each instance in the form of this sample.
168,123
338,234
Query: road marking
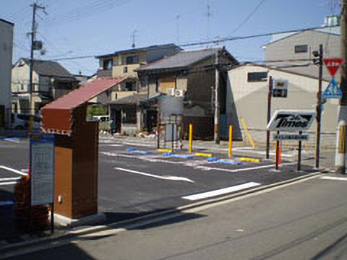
334,178
167,177
223,191
8,183
10,179
206,168
12,170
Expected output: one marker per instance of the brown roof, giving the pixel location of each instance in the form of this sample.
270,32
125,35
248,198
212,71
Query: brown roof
58,115
84,93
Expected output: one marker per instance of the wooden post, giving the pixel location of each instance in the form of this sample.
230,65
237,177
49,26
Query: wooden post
277,150
299,153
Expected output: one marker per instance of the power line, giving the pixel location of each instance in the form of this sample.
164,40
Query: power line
209,42
249,16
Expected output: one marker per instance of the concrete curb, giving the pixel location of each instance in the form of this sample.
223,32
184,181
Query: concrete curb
140,220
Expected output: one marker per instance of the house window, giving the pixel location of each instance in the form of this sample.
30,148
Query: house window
125,69
300,48
132,59
129,115
130,86
257,76
107,64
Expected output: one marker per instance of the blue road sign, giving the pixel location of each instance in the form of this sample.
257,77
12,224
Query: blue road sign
333,90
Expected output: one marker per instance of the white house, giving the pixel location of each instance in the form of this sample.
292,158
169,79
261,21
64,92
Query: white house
6,46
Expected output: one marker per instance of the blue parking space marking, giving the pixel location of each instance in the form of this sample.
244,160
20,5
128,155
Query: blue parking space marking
132,150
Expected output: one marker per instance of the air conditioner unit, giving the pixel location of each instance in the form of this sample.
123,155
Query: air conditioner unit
179,92
171,91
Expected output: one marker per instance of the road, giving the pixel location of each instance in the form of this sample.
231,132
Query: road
305,220
139,182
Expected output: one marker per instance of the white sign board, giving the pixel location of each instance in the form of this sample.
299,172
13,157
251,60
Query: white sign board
291,120
291,137
42,169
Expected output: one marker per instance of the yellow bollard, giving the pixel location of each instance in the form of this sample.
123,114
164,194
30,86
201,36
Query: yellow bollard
230,140
190,138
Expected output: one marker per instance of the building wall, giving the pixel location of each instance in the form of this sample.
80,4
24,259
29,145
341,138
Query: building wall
249,101
284,50
6,47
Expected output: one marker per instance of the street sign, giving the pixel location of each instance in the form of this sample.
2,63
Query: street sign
42,169
333,64
280,88
291,120
291,137
332,91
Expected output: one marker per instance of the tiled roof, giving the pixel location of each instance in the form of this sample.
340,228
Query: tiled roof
182,59
49,68
153,47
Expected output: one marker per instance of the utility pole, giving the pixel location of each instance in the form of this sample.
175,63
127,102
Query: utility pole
216,101
34,46
319,104
343,84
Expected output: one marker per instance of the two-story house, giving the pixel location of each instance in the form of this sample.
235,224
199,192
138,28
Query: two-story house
192,74
123,64
6,43
50,81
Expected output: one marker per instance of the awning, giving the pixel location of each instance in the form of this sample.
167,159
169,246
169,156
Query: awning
57,115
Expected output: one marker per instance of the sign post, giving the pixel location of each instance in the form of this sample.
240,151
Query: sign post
42,171
290,121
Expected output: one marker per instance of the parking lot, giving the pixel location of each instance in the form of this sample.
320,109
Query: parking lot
135,179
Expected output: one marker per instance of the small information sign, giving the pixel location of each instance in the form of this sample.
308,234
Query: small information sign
42,169
291,137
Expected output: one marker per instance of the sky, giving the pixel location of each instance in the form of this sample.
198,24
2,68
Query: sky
80,28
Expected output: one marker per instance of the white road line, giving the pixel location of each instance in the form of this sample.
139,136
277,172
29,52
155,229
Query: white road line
206,168
10,179
12,170
8,183
223,191
167,177
334,178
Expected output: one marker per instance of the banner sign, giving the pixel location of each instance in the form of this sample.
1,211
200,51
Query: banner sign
291,120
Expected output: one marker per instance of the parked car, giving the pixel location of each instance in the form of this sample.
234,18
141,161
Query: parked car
22,121
104,122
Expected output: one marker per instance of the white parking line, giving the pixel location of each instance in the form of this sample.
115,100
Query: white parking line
223,191
10,179
334,178
8,183
12,170
167,177
206,168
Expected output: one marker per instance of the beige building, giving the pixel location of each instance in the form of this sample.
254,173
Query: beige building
6,47
248,94
122,101
50,81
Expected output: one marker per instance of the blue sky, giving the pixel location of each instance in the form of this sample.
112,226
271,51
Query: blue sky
96,27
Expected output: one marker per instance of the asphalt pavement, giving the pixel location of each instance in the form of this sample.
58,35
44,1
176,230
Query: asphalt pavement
302,220
136,180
